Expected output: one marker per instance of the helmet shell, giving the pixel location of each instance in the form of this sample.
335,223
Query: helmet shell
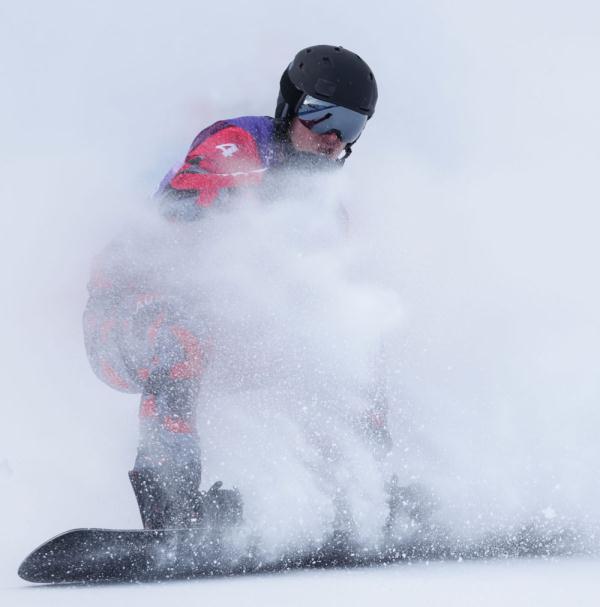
329,73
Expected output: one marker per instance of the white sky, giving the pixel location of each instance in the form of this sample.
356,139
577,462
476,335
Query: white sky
475,197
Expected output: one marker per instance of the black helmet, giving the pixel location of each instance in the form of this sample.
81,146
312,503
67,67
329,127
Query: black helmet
328,73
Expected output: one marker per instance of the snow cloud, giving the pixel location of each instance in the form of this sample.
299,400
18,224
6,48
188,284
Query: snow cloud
472,251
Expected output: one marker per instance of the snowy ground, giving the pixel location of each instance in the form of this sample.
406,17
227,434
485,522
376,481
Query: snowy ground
555,583
475,196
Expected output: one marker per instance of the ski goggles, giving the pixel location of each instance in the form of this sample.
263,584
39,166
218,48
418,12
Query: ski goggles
323,117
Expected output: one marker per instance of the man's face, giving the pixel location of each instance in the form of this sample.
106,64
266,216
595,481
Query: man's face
305,140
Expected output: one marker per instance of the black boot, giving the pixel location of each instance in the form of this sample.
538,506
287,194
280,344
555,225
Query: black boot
176,501
413,502
166,500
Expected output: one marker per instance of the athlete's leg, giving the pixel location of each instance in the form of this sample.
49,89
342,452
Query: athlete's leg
145,345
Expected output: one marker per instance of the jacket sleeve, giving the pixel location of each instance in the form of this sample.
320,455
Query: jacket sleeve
222,158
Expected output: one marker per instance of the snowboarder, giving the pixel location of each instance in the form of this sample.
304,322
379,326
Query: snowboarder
138,341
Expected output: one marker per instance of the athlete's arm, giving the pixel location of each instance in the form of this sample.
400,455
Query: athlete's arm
222,158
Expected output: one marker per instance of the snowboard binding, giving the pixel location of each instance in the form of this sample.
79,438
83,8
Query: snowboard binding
174,501
409,507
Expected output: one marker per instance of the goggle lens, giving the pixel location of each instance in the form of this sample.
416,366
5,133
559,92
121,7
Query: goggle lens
323,117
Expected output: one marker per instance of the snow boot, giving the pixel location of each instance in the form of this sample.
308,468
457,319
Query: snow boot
175,501
413,502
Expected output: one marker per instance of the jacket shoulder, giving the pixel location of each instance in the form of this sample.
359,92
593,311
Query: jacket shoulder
252,132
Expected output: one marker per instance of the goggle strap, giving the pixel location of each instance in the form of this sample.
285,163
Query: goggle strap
347,152
293,97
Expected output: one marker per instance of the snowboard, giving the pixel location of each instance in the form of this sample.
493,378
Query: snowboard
110,555
103,555
137,555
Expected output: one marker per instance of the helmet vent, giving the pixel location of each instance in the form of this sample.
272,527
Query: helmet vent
325,87
309,50
301,66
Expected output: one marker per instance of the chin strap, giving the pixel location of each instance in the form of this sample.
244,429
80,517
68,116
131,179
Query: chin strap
282,127
347,152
